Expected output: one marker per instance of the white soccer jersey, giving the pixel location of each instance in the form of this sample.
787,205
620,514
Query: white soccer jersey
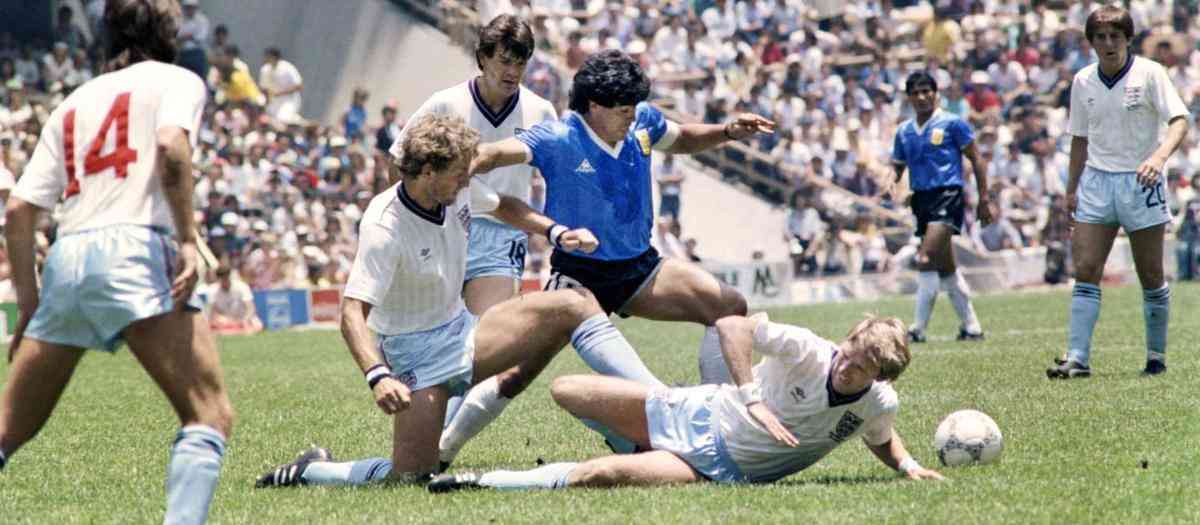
1123,117
99,148
521,113
410,263
796,385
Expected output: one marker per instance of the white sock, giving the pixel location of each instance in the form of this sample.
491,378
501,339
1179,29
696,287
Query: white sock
606,351
927,289
552,476
956,287
713,368
482,404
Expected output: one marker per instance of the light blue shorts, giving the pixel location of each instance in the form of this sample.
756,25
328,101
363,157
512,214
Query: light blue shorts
495,250
440,355
1116,199
97,282
680,421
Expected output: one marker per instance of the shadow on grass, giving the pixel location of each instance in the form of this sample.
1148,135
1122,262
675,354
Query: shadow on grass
836,480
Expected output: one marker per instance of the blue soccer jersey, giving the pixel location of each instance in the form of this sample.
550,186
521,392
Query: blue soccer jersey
933,152
592,185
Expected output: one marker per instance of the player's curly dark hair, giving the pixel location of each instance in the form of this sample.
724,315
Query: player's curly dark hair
507,33
919,78
139,30
1114,15
609,78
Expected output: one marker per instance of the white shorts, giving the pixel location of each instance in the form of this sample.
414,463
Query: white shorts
97,282
680,421
440,355
1116,199
495,250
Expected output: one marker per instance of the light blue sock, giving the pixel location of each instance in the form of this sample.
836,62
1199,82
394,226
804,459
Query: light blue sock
1156,307
1085,309
358,472
192,473
552,476
619,444
606,351
452,406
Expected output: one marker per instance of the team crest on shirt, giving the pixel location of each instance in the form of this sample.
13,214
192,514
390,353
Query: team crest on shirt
846,427
1133,97
643,138
937,136
464,217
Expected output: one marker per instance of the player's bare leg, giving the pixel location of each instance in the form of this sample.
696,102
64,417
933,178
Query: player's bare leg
180,354
617,403
482,293
415,435
1147,247
39,373
1090,246
683,291
657,467
951,281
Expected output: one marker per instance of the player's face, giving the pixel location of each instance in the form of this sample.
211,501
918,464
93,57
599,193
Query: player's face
1111,46
612,124
447,183
853,372
503,72
923,99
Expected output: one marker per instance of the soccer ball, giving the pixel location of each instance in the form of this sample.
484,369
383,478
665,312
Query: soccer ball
968,437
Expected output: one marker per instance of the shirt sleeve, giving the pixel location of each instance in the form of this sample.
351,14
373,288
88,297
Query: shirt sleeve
1166,97
962,133
785,342
878,430
542,140
45,178
898,156
663,132
376,262
484,199
1077,123
182,105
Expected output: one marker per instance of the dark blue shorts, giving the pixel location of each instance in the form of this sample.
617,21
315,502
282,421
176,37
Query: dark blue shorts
943,205
614,283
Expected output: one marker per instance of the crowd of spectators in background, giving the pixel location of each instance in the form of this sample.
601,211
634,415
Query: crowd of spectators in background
279,196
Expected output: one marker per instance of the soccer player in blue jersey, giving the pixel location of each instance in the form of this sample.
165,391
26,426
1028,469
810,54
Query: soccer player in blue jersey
931,147
596,162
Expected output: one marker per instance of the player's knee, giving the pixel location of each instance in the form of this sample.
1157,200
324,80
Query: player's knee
565,390
734,303
579,304
598,474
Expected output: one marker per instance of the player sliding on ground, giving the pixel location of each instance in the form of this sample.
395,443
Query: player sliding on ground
116,158
807,396
404,299
596,162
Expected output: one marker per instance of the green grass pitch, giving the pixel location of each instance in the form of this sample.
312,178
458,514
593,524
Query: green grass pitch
1073,450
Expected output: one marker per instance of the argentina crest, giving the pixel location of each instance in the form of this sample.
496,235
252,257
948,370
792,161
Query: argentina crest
643,138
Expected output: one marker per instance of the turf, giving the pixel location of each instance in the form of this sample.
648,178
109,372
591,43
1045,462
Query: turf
1073,451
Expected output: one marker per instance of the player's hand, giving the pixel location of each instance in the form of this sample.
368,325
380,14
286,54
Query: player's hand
767,419
24,314
924,473
748,124
188,262
1150,172
1072,203
983,211
579,239
392,396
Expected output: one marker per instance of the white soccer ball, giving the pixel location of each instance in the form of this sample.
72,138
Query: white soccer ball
968,437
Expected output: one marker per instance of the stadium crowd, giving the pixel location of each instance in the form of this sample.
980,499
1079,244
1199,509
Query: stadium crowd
280,196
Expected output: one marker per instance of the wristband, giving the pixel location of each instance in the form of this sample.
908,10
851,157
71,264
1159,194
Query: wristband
554,233
377,373
908,465
750,393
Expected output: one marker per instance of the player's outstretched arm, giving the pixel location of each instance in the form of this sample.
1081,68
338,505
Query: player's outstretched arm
390,394
895,456
519,215
736,334
18,232
699,137
507,152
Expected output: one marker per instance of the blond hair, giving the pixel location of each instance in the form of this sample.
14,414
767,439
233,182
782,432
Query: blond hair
885,341
437,141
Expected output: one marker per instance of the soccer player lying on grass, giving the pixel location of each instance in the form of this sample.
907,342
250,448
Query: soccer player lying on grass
596,163
807,396
404,297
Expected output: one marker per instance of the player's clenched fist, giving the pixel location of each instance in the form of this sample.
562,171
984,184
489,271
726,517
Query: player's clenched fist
391,395
579,239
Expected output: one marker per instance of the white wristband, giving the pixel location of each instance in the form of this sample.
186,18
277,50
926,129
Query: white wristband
750,393
376,373
555,233
908,465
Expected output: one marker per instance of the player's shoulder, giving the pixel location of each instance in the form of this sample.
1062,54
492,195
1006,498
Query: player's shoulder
382,212
458,92
535,100
1087,73
556,129
1146,67
883,395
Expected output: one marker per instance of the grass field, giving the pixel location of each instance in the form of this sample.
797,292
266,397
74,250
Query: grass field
1072,450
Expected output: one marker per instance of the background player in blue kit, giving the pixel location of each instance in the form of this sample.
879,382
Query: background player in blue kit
596,162
931,146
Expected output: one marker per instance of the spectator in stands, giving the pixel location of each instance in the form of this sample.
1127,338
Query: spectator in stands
940,36
1188,238
194,35
354,121
231,305
57,65
389,129
1056,236
999,235
17,113
28,66
67,31
806,233
283,84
